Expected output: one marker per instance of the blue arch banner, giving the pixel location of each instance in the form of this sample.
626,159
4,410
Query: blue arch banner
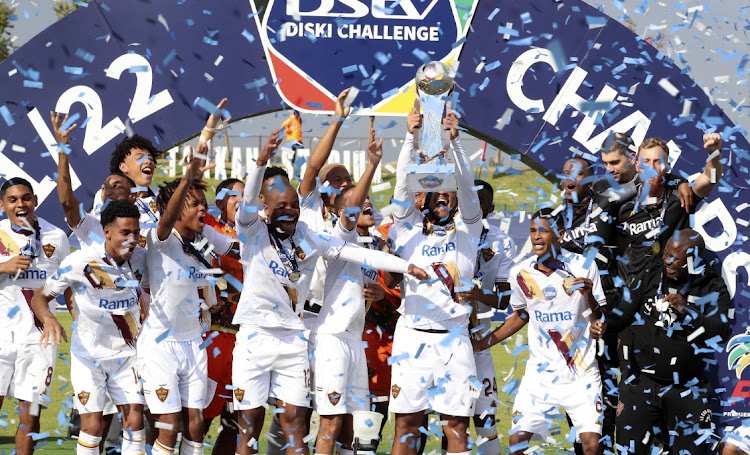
546,79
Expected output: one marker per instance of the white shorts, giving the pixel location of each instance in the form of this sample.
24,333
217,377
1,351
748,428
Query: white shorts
486,374
174,374
538,399
26,371
739,437
432,371
267,365
340,384
96,381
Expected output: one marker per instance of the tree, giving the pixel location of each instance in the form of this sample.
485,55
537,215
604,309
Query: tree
6,45
63,8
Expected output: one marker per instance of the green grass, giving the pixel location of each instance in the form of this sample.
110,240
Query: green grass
515,191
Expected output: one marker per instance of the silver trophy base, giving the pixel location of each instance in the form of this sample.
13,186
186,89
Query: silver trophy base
431,177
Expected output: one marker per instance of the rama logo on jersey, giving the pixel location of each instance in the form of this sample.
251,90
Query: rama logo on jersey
363,39
432,251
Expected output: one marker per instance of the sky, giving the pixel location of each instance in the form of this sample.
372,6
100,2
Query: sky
710,38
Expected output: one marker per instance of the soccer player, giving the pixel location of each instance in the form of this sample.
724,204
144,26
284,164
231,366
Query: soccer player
135,156
222,333
171,358
270,357
339,365
105,282
433,363
117,186
655,213
557,294
490,291
31,249
736,442
684,308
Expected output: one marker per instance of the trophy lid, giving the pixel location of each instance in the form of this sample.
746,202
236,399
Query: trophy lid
434,78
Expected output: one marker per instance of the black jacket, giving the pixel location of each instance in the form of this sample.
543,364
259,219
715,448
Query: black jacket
658,342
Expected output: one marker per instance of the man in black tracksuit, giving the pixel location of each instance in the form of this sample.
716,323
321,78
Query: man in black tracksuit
680,315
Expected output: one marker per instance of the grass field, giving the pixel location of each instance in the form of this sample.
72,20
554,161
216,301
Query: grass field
53,440
516,190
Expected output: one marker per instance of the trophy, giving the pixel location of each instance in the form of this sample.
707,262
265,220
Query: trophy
431,169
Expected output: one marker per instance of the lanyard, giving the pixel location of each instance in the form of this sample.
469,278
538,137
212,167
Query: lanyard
482,239
289,261
111,261
143,207
655,246
682,291
587,223
192,251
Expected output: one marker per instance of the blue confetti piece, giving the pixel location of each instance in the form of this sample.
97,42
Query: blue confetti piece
73,69
172,54
248,36
349,69
163,336
5,112
314,105
507,31
87,56
206,105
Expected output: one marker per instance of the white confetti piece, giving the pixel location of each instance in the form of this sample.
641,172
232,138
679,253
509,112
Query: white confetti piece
669,87
163,425
353,92
218,60
385,186
389,167
698,332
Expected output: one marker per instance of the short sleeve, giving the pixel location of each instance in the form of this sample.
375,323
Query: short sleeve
517,300
64,246
592,273
222,243
86,231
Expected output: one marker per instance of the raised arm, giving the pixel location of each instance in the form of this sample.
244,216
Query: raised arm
360,192
68,200
401,192
323,149
705,183
468,202
251,196
193,170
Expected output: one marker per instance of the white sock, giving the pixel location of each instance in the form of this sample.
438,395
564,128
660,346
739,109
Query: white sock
87,444
343,451
133,442
492,445
188,447
161,449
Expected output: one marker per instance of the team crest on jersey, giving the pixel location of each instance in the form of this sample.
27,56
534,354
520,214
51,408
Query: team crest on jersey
487,254
300,253
162,393
152,206
49,250
83,397
515,414
334,397
620,408
142,242
239,394
395,390
549,293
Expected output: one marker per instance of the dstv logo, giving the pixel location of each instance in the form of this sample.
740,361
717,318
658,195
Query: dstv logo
405,9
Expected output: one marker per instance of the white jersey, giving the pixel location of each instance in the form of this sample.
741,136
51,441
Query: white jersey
89,231
344,306
311,213
494,261
270,298
449,257
559,343
146,206
179,285
106,301
49,248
